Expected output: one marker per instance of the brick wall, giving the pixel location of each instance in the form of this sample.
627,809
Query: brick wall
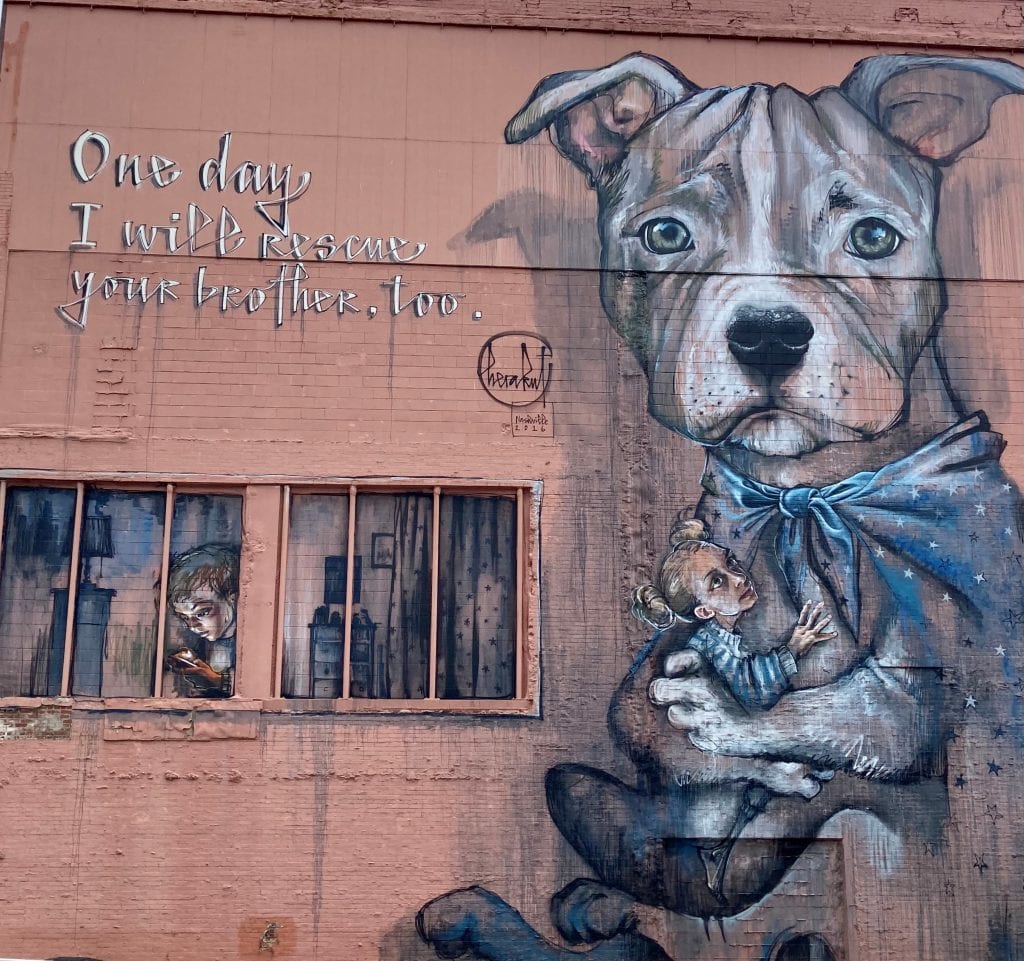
222,830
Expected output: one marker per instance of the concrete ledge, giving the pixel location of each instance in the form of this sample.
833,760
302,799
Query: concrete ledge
178,725
989,24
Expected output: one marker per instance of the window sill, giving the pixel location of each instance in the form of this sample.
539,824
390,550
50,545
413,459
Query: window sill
142,719
158,704
174,718
521,707
212,719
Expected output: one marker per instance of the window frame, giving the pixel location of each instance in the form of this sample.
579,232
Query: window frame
80,486
523,699
527,497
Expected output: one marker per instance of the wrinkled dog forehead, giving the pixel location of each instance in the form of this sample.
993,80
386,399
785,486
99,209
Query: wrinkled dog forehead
791,147
934,107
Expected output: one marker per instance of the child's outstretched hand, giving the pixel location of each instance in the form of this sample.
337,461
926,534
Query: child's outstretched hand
811,628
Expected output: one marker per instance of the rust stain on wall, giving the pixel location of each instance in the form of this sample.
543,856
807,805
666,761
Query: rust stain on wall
272,936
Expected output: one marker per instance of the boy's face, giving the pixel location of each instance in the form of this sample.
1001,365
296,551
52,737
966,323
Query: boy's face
206,613
718,582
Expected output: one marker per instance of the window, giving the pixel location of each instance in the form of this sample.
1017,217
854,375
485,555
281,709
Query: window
407,596
368,596
150,574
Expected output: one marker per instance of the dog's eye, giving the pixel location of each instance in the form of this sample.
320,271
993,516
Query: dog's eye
666,235
873,239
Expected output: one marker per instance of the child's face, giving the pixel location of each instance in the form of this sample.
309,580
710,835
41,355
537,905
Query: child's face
205,613
719,584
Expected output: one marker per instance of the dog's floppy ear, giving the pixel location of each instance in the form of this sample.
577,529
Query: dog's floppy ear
937,106
593,114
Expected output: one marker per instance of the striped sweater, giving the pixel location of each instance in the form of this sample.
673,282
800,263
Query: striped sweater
755,680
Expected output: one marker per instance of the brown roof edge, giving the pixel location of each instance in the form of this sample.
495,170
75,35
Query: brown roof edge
988,24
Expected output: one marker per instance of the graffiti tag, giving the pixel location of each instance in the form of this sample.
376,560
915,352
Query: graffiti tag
515,368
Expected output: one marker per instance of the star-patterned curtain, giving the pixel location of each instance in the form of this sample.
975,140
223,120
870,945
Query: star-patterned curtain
476,634
407,631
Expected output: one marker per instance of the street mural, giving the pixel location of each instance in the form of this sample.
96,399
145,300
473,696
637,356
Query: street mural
832,622
840,602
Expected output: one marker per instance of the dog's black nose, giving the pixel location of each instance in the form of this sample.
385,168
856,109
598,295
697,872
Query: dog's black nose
772,341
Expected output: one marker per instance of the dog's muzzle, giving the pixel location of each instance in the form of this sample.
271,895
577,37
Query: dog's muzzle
771,341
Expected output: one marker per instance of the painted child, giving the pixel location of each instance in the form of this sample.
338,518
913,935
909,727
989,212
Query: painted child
702,582
202,592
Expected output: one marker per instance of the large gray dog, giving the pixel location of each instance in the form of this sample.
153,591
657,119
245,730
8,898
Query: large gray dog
770,258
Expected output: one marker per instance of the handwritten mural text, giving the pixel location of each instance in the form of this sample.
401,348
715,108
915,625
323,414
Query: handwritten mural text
216,230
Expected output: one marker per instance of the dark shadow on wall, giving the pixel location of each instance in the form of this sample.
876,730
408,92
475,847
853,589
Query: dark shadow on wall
561,248
654,470
549,232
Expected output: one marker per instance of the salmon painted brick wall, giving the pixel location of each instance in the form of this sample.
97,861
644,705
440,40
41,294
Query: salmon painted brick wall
282,258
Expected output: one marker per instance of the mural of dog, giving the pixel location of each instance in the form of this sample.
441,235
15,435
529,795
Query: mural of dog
770,259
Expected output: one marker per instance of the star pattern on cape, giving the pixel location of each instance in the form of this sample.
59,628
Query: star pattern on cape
938,533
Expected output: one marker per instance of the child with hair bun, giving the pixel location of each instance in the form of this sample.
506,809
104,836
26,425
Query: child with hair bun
700,581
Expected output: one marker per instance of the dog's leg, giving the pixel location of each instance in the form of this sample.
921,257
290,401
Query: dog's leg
652,846
654,849
476,923
618,830
825,727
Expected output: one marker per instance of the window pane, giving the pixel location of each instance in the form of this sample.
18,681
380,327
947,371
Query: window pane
391,625
314,611
34,589
202,594
116,601
476,631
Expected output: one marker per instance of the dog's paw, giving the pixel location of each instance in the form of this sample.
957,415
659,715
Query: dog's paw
785,777
586,911
700,741
448,923
477,923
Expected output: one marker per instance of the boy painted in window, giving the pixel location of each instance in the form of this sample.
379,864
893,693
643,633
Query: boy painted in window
202,592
